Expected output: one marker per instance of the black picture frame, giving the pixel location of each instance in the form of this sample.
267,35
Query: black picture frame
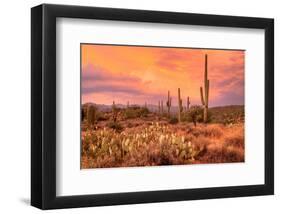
43,106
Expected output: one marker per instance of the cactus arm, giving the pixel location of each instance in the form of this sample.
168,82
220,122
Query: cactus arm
201,95
168,103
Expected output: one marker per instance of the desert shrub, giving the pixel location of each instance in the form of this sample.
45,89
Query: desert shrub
194,114
212,130
157,143
136,112
232,154
101,116
143,112
237,141
201,141
83,114
235,138
115,125
218,153
228,118
130,113
165,114
173,120
184,117
228,115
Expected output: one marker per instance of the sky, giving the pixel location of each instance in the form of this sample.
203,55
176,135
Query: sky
143,74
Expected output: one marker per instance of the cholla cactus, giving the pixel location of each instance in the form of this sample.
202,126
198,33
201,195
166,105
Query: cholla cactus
205,98
180,105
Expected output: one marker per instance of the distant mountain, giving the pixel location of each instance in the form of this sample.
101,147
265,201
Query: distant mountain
227,108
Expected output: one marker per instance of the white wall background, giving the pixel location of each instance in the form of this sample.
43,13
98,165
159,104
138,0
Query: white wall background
15,106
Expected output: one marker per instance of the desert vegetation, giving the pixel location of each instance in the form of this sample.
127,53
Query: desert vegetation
161,143
124,135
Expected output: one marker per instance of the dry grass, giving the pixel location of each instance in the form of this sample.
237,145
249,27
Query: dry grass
150,144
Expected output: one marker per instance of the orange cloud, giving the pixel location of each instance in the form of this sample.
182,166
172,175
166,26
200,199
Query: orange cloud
145,74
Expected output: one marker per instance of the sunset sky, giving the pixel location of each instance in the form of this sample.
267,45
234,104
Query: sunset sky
145,74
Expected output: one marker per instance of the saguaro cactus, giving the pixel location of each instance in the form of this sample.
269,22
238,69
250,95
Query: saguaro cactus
205,98
114,112
91,114
159,108
187,103
128,104
169,103
162,110
180,104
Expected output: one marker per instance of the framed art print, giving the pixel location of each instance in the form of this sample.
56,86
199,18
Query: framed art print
133,106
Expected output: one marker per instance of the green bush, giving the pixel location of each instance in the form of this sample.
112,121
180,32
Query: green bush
227,115
101,116
230,118
143,112
130,113
195,115
135,112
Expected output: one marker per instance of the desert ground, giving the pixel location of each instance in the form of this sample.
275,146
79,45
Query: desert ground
130,136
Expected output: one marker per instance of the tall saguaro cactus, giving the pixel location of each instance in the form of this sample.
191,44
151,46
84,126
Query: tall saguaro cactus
180,105
91,115
114,112
159,109
187,103
169,103
205,98
162,110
